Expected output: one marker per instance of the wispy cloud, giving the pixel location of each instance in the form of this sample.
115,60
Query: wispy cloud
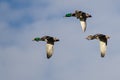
74,57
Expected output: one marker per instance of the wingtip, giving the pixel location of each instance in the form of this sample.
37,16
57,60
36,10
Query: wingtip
84,30
102,55
49,56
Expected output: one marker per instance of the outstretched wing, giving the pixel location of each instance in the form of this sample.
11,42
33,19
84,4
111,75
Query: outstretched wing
83,25
49,50
103,46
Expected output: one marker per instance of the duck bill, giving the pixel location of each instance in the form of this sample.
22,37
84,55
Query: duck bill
33,40
88,38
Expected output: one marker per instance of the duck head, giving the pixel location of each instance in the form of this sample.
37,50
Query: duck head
37,39
68,15
90,37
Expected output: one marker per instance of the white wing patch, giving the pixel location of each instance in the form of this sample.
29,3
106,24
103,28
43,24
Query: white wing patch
49,50
83,25
103,47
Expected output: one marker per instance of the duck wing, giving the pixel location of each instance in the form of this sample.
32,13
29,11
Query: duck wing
83,25
103,46
49,50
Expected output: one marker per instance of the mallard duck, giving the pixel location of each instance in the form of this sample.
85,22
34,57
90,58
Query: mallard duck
82,16
50,44
103,41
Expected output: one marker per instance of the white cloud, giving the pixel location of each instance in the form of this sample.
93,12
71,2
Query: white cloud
74,57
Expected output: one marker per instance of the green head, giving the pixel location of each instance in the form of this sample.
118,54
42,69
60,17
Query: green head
37,39
68,15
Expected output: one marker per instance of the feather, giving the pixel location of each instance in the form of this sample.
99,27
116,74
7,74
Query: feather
83,25
49,50
103,48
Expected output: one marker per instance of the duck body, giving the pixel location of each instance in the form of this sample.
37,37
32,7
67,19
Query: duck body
102,41
82,16
50,44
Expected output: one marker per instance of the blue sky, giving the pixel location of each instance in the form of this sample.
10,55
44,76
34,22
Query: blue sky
74,58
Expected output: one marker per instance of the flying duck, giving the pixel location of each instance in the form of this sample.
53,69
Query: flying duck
103,42
82,16
50,44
